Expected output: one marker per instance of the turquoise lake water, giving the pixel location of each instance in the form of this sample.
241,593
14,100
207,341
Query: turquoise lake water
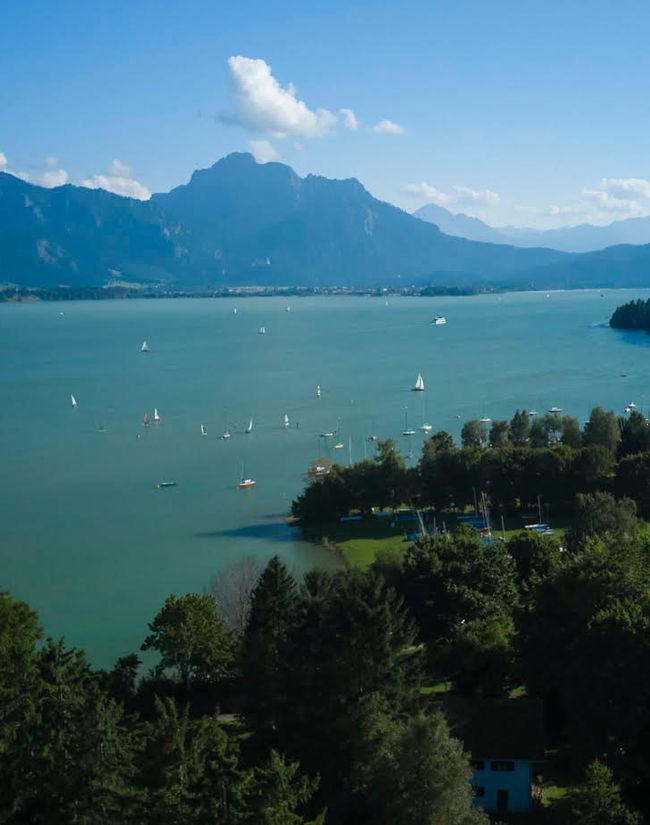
90,543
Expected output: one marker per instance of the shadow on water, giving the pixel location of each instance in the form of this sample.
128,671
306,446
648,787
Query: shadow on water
276,531
632,336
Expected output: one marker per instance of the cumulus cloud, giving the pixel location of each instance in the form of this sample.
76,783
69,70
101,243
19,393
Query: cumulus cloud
261,104
459,197
349,119
53,177
388,127
263,151
119,180
3,160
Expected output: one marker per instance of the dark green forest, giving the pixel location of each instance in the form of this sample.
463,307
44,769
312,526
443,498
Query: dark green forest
633,315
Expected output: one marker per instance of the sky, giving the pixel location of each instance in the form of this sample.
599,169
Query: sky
521,113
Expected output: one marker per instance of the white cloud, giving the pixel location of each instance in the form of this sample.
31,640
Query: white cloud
298,147
263,151
388,127
349,119
51,161
118,169
459,197
52,178
119,180
262,105
3,160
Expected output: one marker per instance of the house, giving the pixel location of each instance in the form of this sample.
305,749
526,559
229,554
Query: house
505,739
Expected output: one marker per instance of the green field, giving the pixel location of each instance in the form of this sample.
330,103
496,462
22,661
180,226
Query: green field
359,542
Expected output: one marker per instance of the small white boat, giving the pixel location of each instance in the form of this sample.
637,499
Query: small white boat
73,401
204,429
328,435
339,446
485,420
439,321
532,412
245,482
234,312
285,422
425,428
419,384
632,405
407,430
318,391
226,431
372,438
288,309
156,415
225,436
262,331
144,347
249,428
555,409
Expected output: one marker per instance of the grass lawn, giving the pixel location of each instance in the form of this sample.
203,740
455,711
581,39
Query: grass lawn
359,542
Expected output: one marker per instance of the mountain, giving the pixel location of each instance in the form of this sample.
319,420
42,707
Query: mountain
238,222
459,225
582,238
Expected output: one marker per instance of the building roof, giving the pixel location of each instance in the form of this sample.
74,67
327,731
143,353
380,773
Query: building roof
497,728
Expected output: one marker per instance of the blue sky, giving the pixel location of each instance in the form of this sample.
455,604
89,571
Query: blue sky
517,112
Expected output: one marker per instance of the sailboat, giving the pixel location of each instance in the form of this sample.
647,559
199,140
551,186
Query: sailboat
425,428
407,430
144,347
245,482
285,422
419,384
226,434
73,401
234,312
339,445
145,420
249,429
156,416
318,391
204,429
262,331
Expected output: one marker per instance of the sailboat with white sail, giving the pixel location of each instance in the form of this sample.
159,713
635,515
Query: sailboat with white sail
73,402
285,422
249,428
204,429
424,428
156,414
144,347
226,432
318,391
419,384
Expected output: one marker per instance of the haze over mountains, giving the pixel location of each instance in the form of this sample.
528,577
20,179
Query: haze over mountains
582,238
244,223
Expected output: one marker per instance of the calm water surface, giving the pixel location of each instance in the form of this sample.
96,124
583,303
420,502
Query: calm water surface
90,543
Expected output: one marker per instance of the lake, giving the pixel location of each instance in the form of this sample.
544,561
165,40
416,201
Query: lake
94,547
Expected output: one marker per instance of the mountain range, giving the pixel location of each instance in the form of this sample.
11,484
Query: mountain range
582,238
243,223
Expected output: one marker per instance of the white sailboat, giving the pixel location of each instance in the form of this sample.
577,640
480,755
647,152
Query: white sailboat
245,482
144,347
73,401
439,321
407,430
419,384
226,433
249,428
262,331
156,414
285,422
318,391
204,429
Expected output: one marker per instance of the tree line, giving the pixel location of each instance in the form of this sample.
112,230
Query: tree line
329,677
633,315
524,464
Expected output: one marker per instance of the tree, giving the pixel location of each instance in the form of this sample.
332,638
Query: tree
520,428
571,435
552,423
419,774
474,434
273,615
392,472
536,556
633,480
602,429
283,793
635,435
191,639
499,434
538,434
232,588
597,801
600,514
